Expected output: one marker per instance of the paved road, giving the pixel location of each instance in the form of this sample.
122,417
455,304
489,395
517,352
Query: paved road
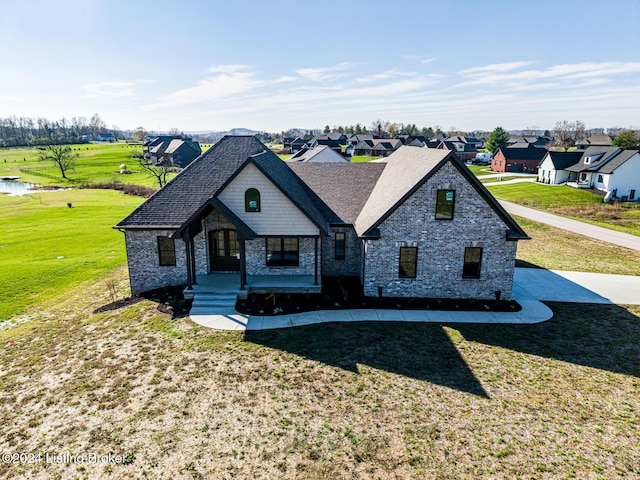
599,233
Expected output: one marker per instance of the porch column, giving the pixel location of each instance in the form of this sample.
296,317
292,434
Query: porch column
193,260
243,264
187,246
315,266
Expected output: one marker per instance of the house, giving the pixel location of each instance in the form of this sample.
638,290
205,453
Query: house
524,140
465,152
378,147
181,153
294,145
517,159
324,141
418,225
609,169
172,150
105,137
552,168
321,153
595,141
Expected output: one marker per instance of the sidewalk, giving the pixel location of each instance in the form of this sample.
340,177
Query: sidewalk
530,285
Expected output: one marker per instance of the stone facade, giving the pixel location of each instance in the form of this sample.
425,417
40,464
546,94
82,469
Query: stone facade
441,245
352,263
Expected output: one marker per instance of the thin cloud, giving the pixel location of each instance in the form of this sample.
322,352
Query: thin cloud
112,89
494,67
324,74
228,80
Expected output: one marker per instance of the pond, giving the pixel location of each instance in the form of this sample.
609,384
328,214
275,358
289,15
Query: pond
15,188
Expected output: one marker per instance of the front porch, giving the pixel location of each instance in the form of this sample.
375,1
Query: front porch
229,283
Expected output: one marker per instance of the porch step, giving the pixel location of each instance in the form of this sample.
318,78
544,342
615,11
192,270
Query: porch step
212,303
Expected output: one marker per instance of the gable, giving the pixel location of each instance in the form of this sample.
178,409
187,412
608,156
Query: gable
278,215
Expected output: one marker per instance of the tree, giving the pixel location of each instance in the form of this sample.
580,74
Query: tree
393,129
157,172
627,140
499,138
60,155
566,134
379,128
327,129
139,134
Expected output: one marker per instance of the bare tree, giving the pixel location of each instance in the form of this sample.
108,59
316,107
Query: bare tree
60,155
158,172
566,134
530,131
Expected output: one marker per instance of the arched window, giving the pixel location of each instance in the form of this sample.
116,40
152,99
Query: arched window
252,200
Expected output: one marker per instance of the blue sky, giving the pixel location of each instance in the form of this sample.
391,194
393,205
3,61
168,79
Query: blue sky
273,65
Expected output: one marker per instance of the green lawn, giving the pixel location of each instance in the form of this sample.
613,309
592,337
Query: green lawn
362,158
480,170
95,163
47,247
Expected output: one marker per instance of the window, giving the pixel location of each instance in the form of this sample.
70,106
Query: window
444,204
166,251
252,200
600,179
340,246
632,194
472,261
407,266
283,252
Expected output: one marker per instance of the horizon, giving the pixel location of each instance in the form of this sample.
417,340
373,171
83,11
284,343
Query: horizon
274,67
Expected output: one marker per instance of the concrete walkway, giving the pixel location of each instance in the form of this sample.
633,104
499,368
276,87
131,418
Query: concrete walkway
599,233
506,182
530,286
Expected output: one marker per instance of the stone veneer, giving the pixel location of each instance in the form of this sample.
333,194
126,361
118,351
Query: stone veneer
441,245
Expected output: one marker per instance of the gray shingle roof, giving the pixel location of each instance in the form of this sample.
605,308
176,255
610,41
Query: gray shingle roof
599,157
172,205
307,155
406,168
563,160
344,187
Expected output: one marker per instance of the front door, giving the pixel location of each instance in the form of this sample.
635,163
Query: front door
224,250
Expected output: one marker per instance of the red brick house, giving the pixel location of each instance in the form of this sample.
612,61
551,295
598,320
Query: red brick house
518,159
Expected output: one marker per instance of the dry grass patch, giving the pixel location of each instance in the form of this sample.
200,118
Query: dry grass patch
558,249
370,400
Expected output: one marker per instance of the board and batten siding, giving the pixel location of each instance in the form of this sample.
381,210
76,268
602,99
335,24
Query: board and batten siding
277,216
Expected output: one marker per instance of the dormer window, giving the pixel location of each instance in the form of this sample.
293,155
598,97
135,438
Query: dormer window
252,200
587,160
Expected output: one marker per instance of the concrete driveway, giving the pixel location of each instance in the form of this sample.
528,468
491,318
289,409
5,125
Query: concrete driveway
599,233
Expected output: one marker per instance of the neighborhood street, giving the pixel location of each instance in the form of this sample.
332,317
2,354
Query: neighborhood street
599,233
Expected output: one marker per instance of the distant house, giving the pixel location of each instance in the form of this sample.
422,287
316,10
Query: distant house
517,159
463,151
172,150
595,141
379,147
323,140
294,145
418,225
105,137
181,153
321,153
523,141
609,169
338,137
552,168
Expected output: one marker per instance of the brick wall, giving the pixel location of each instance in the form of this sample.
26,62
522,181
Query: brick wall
352,264
145,271
256,255
441,245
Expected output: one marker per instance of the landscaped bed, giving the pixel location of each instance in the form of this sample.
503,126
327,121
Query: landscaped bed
346,293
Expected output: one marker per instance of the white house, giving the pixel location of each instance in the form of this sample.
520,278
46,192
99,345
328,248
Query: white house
552,168
610,169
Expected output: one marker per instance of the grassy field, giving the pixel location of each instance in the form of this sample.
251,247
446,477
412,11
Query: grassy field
95,163
367,400
46,247
573,203
557,249
480,170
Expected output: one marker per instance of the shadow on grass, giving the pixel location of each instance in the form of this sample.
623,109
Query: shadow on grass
606,337
418,350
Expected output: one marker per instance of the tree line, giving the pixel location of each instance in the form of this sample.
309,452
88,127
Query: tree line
24,131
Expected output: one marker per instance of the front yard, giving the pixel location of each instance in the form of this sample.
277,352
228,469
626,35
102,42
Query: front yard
368,400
